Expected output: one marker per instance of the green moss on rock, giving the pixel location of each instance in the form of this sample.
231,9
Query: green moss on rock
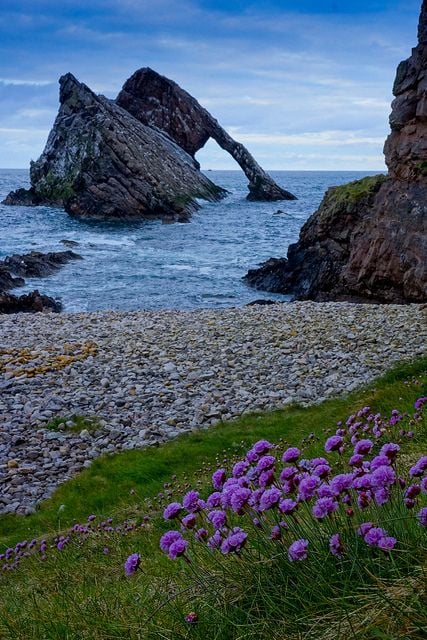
53,188
352,192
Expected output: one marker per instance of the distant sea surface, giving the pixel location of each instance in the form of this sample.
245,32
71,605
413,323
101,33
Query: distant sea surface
151,265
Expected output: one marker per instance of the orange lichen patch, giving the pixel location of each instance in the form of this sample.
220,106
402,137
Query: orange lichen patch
31,362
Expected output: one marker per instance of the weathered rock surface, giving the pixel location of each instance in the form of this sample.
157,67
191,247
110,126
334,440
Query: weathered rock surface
368,239
100,162
157,101
30,265
37,264
28,303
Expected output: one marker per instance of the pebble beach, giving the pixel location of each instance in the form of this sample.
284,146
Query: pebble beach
149,376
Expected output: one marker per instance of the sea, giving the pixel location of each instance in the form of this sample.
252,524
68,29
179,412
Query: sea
152,265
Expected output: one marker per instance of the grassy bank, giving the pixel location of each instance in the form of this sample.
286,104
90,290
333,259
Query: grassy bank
81,591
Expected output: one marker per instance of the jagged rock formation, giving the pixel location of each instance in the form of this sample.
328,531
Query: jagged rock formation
157,101
30,265
368,239
100,162
28,303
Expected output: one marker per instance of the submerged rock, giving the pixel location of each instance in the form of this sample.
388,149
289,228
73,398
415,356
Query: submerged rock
157,101
37,264
100,162
368,239
28,303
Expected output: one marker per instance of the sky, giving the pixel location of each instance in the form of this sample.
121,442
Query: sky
304,84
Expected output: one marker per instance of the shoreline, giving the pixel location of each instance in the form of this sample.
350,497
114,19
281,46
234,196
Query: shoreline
148,376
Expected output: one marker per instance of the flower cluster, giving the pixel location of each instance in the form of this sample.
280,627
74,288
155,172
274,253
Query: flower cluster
40,548
272,493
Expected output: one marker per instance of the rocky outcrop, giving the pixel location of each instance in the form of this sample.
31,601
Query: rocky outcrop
368,239
30,265
100,162
157,101
37,264
28,303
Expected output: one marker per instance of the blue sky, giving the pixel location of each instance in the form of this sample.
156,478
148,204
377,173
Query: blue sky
304,84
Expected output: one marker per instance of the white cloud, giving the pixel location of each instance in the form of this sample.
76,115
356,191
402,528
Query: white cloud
18,82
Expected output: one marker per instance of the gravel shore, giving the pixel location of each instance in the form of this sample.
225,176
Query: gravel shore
149,376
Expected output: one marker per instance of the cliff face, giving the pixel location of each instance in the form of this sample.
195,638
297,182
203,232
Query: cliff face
100,162
368,239
157,101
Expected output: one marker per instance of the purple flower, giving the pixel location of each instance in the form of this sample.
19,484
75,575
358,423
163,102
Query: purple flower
307,487
291,454
419,403
315,462
167,539
269,498
364,528
423,485
189,522
298,550
356,460
288,473
336,546
262,447
215,541
266,478
380,461
321,470
374,535
240,468
132,564
276,533
239,498
363,447
214,500
390,449
341,482
419,467
323,507
234,541
217,518
422,517
287,505
191,617
386,543
383,477
201,534
172,510
266,462
413,491
333,443
177,548
218,478
325,491
382,495
191,501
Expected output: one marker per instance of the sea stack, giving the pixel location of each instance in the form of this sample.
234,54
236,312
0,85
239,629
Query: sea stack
368,239
159,102
101,162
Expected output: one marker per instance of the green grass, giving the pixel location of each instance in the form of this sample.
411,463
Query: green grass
113,482
354,191
79,423
83,593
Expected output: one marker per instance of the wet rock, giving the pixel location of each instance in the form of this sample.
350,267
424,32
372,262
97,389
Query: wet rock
37,264
28,303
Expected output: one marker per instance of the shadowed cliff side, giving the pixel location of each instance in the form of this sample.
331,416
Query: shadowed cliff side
157,101
368,239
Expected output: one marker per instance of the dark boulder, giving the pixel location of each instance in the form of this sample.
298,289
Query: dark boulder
159,102
37,264
28,303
